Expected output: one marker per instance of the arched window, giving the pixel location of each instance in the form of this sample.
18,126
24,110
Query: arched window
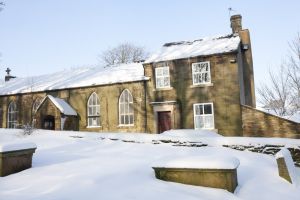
12,115
35,105
93,107
126,108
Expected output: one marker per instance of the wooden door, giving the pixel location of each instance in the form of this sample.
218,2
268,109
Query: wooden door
164,121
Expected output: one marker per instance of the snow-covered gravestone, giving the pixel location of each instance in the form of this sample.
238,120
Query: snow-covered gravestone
207,171
15,157
286,166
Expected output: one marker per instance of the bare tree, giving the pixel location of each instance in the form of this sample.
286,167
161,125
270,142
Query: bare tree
275,97
123,53
1,5
282,95
293,70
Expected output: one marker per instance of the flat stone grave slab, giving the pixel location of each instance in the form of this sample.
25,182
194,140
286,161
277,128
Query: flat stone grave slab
215,172
286,166
15,157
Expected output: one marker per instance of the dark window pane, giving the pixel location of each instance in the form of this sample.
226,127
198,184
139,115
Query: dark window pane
201,109
207,109
131,119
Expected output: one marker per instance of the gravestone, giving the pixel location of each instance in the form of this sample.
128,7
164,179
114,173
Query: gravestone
215,172
286,167
15,157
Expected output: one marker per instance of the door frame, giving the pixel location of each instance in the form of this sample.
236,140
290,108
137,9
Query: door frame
165,107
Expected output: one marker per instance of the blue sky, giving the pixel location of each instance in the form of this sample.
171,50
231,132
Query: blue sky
38,37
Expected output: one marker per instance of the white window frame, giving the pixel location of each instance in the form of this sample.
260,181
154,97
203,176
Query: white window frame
94,114
12,115
204,116
160,77
201,73
126,109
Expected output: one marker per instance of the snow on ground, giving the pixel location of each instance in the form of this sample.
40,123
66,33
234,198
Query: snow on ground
78,165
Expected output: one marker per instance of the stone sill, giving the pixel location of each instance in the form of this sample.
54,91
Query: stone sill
163,89
202,85
125,126
93,126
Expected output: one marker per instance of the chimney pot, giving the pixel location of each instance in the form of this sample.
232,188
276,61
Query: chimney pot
236,23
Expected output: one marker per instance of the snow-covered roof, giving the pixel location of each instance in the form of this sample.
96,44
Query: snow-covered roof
200,47
77,77
63,106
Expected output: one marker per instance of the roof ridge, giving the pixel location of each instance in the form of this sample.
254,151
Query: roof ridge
189,42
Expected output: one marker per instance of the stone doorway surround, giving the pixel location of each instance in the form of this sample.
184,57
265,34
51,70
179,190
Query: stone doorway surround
166,106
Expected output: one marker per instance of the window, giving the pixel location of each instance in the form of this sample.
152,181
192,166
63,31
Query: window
162,76
35,105
204,116
201,73
93,107
126,108
12,115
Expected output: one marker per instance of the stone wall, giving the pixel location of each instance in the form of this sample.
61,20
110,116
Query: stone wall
257,123
109,106
24,104
48,108
269,149
77,98
71,123
247,63
223,92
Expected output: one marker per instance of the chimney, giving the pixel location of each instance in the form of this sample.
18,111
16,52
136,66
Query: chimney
236,23
8,76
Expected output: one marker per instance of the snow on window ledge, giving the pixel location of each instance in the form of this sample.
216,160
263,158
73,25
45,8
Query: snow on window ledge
202,85
93,126
125,125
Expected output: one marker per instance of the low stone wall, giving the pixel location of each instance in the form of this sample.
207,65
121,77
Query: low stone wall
215,178
15,161
269,149
257,123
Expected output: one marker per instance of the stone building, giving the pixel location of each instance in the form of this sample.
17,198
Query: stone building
202,84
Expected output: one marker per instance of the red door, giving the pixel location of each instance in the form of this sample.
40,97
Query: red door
164,121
